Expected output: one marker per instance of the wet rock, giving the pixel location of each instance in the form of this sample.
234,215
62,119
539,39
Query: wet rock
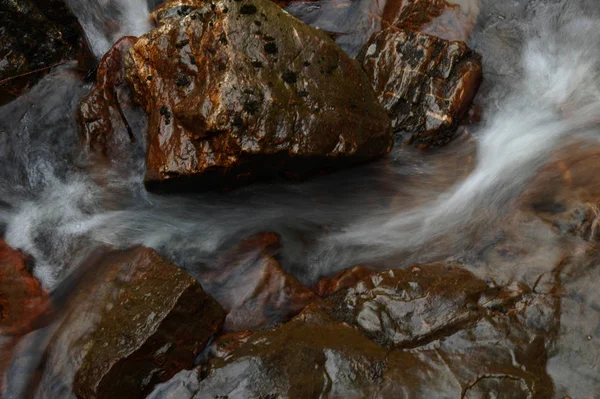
448,20
22,298
34,36
137,320
426,84
253,288
242,90
103,123
407,307
500,350
345,278
315,355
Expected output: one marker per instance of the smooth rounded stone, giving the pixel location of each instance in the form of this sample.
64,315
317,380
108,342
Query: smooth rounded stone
34,36
253,288
426,84
345,278
240,90
407,307
101,115
22,299
135,321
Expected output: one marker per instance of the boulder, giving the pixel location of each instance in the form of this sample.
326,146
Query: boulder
103,124
34,36
137,320
426,84
238,90
22,298
253,288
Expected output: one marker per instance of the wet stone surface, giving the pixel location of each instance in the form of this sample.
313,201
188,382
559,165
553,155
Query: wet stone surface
473,341
426,84
22,298
137,323
104,126
236,91
253,288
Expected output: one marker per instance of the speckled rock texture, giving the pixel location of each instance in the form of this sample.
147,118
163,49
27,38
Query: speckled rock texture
239,90
426,84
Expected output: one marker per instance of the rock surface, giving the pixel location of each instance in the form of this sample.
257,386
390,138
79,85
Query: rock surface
241,90
139,321
449,20
21,296
34,35
253,288
407,307
426,84
498,350
345,278
103,123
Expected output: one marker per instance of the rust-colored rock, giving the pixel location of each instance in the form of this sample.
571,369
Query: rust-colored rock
137,320
345,278
237,90
34,36
253,288
103,124
448,20
426,84
22,298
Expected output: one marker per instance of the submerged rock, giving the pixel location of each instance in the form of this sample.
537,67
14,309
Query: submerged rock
241,90
34,36
22,298
136,321
253,288
426,84
103,123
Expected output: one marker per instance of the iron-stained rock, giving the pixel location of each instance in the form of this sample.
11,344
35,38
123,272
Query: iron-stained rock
241,90
103,123
22,298
426,84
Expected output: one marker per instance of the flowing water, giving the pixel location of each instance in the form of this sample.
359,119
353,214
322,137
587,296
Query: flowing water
541,102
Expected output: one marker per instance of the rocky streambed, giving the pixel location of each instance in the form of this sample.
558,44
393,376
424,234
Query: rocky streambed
251,201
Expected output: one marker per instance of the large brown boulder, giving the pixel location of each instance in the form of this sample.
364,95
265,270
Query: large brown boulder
135,321
34,36
426,84
241,89
253,288
22,298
